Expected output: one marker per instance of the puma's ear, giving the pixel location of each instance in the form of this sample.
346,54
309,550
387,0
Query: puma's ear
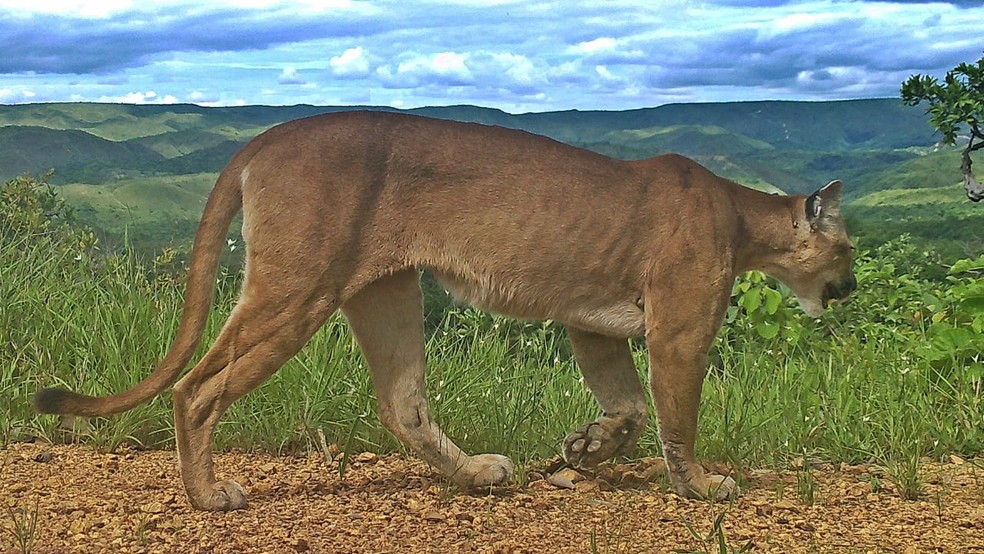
824,202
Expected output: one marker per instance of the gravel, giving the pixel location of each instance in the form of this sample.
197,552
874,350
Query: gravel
132,501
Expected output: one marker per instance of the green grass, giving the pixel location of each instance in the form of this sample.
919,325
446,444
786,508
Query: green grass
894,376
862,392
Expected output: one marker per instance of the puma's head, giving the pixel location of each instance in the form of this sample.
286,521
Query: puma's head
819,268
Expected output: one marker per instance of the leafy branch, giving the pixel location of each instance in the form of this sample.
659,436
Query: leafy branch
955,102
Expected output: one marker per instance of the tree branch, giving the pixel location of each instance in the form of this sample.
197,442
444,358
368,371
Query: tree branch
975,190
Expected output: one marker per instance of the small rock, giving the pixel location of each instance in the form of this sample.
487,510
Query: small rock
805,526
17,487
586,486
263,487
367,457
433,515
153,508
656,470
43,457
632,479
956,460
561,482
464,516
298,488
604,486
565,478
78,526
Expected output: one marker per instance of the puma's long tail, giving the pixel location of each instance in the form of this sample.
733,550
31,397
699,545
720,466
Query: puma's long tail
223,204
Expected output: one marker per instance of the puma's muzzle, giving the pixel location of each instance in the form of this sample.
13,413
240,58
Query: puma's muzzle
839,291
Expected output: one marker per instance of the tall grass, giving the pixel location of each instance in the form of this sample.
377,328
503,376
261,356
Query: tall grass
885,378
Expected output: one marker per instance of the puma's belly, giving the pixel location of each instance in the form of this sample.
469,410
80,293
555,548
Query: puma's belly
622,317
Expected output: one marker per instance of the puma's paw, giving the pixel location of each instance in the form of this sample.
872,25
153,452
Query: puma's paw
600,440
708,487
224,496
484,470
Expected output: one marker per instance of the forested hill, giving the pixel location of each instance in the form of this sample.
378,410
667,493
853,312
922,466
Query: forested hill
148,167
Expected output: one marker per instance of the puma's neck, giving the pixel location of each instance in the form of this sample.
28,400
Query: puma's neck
768,229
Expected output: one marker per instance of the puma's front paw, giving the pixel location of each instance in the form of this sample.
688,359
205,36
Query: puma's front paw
601,440
484,470
223,497
707,487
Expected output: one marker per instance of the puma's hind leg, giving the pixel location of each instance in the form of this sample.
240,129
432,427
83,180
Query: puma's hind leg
387,320
610,373
264,331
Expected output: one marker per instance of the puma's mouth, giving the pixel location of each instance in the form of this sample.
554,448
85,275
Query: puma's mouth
838,292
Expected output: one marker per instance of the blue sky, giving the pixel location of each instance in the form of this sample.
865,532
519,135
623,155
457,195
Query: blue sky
516,55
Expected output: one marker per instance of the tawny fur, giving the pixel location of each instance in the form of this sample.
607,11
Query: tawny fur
342,211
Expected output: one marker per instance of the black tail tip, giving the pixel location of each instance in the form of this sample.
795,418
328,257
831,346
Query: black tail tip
52,400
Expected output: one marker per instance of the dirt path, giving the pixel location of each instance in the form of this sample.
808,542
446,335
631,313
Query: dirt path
133,502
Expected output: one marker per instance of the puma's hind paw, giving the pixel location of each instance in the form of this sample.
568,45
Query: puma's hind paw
484,470
224,496
718,488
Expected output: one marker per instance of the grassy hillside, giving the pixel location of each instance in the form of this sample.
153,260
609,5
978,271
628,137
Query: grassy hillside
72,152
146,169
940,218
152,212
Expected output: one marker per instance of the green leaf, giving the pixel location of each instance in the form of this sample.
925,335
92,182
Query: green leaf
773,299
752,300
767,329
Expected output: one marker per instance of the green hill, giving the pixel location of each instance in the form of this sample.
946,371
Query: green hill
145,169
76,154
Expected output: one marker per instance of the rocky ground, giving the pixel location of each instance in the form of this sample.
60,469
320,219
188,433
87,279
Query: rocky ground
80,500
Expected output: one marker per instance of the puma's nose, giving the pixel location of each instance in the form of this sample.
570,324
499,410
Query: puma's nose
850,286
839,291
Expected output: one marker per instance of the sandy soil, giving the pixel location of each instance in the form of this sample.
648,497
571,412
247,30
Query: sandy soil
132,501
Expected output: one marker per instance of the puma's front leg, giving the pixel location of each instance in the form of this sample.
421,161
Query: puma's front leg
680,329
609,372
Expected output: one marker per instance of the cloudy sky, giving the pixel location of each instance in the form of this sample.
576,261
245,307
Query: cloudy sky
517,55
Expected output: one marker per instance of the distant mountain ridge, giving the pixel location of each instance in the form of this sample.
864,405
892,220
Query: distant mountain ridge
737,139
108,153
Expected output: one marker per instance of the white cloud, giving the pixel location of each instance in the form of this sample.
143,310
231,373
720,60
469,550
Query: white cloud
444,68
446,64
106,8
78,8
598,44
289,76
353,62
202,99
11,96
149,97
